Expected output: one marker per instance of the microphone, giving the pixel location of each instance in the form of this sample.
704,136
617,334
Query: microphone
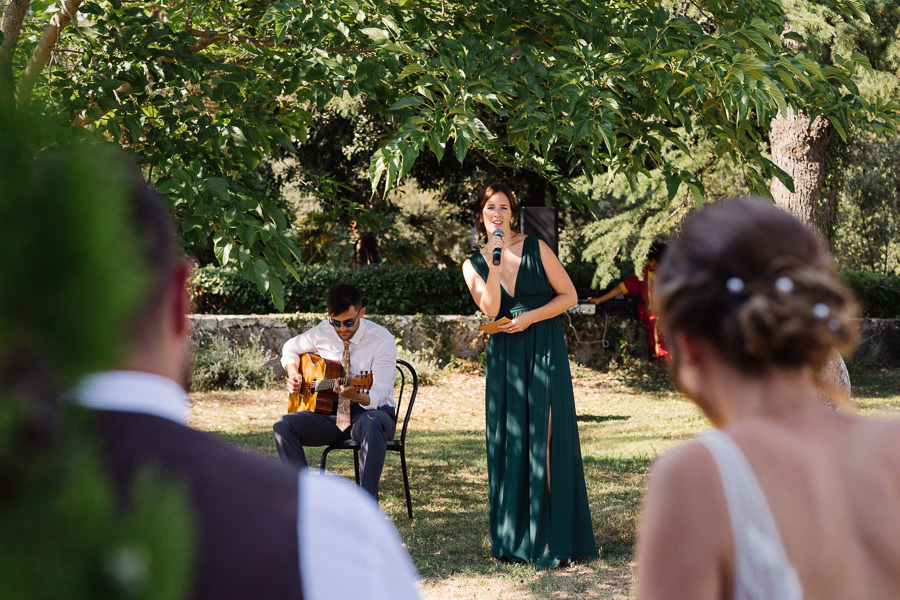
496,256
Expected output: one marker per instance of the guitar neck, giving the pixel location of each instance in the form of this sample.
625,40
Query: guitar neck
330,384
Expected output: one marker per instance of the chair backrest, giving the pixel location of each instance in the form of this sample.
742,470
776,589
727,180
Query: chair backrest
408,387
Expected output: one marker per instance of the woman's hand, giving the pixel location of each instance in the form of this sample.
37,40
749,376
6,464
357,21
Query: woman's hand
519,323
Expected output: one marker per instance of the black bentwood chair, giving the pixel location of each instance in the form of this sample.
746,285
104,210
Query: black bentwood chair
406,385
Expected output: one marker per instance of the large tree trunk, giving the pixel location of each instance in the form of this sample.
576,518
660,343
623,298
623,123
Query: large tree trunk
798,147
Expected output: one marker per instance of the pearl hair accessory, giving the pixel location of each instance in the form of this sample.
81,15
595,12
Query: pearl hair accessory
784,284
820,310
734,284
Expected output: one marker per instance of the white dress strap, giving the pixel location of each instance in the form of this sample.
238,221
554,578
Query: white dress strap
761,567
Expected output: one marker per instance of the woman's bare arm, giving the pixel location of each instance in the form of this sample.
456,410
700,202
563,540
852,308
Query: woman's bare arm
684,541
486,294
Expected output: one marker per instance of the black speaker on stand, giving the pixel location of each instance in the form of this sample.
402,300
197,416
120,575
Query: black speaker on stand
542,222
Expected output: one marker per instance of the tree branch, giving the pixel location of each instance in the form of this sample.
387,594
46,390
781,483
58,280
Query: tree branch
208,38
11,26
42,52
81,119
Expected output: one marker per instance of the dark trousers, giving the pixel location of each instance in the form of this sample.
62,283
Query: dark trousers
371,428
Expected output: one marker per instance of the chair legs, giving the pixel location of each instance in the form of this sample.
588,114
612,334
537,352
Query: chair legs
406,482
355,461
402,452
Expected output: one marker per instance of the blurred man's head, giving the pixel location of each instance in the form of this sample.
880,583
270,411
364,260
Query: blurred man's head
159,336
89,255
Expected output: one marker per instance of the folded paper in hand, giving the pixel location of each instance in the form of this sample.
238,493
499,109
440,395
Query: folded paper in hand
493,326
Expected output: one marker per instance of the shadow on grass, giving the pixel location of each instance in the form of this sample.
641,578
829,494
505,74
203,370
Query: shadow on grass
448,479
448,537
449,534
644,377
257,442
602,418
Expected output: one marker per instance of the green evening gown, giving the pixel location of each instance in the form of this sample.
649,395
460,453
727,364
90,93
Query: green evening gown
527,379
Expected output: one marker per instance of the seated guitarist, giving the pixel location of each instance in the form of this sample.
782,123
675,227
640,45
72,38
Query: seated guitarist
371,412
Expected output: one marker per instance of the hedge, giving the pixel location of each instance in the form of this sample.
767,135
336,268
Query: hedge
386,289
414,289
878,293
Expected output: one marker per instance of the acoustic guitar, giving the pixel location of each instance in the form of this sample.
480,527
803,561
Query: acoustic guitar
320,377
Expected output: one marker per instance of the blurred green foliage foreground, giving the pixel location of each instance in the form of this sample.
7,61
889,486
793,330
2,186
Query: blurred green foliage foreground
70,279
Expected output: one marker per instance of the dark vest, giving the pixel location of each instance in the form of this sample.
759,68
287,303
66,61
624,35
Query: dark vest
244,505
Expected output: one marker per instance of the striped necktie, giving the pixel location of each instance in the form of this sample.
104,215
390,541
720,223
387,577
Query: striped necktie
343,411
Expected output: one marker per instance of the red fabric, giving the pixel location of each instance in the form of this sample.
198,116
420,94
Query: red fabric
634,286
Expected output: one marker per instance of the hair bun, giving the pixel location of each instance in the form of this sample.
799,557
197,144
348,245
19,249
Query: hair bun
796,317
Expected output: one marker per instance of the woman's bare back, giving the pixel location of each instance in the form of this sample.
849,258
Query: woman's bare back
833,485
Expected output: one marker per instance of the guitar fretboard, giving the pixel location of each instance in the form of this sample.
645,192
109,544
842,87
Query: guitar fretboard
330,384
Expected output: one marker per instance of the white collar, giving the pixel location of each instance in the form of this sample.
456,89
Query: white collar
133,391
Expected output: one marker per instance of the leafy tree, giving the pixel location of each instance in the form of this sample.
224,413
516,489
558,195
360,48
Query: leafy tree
868,235
204,92
634,215
802,142
814,151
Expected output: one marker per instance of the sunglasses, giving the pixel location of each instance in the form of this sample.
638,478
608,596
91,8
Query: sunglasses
347,323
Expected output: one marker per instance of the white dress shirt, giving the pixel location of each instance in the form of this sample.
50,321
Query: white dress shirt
372,348
348,547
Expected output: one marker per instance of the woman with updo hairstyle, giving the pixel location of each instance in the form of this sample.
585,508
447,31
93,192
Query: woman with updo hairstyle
785,498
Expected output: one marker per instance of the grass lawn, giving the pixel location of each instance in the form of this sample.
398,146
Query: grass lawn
625,419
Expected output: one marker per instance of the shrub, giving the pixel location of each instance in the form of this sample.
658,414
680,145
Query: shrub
414,289
582,276
220,364
223,290
878,293
386,289
427,368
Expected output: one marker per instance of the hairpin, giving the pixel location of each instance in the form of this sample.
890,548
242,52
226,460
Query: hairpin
820,310
784,284
734,284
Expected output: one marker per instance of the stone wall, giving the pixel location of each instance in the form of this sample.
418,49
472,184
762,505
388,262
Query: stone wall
593,337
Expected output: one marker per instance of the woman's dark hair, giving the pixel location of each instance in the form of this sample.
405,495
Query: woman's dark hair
484,195
758,284
657,250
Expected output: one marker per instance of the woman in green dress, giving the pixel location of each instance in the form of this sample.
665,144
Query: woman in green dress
537,498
